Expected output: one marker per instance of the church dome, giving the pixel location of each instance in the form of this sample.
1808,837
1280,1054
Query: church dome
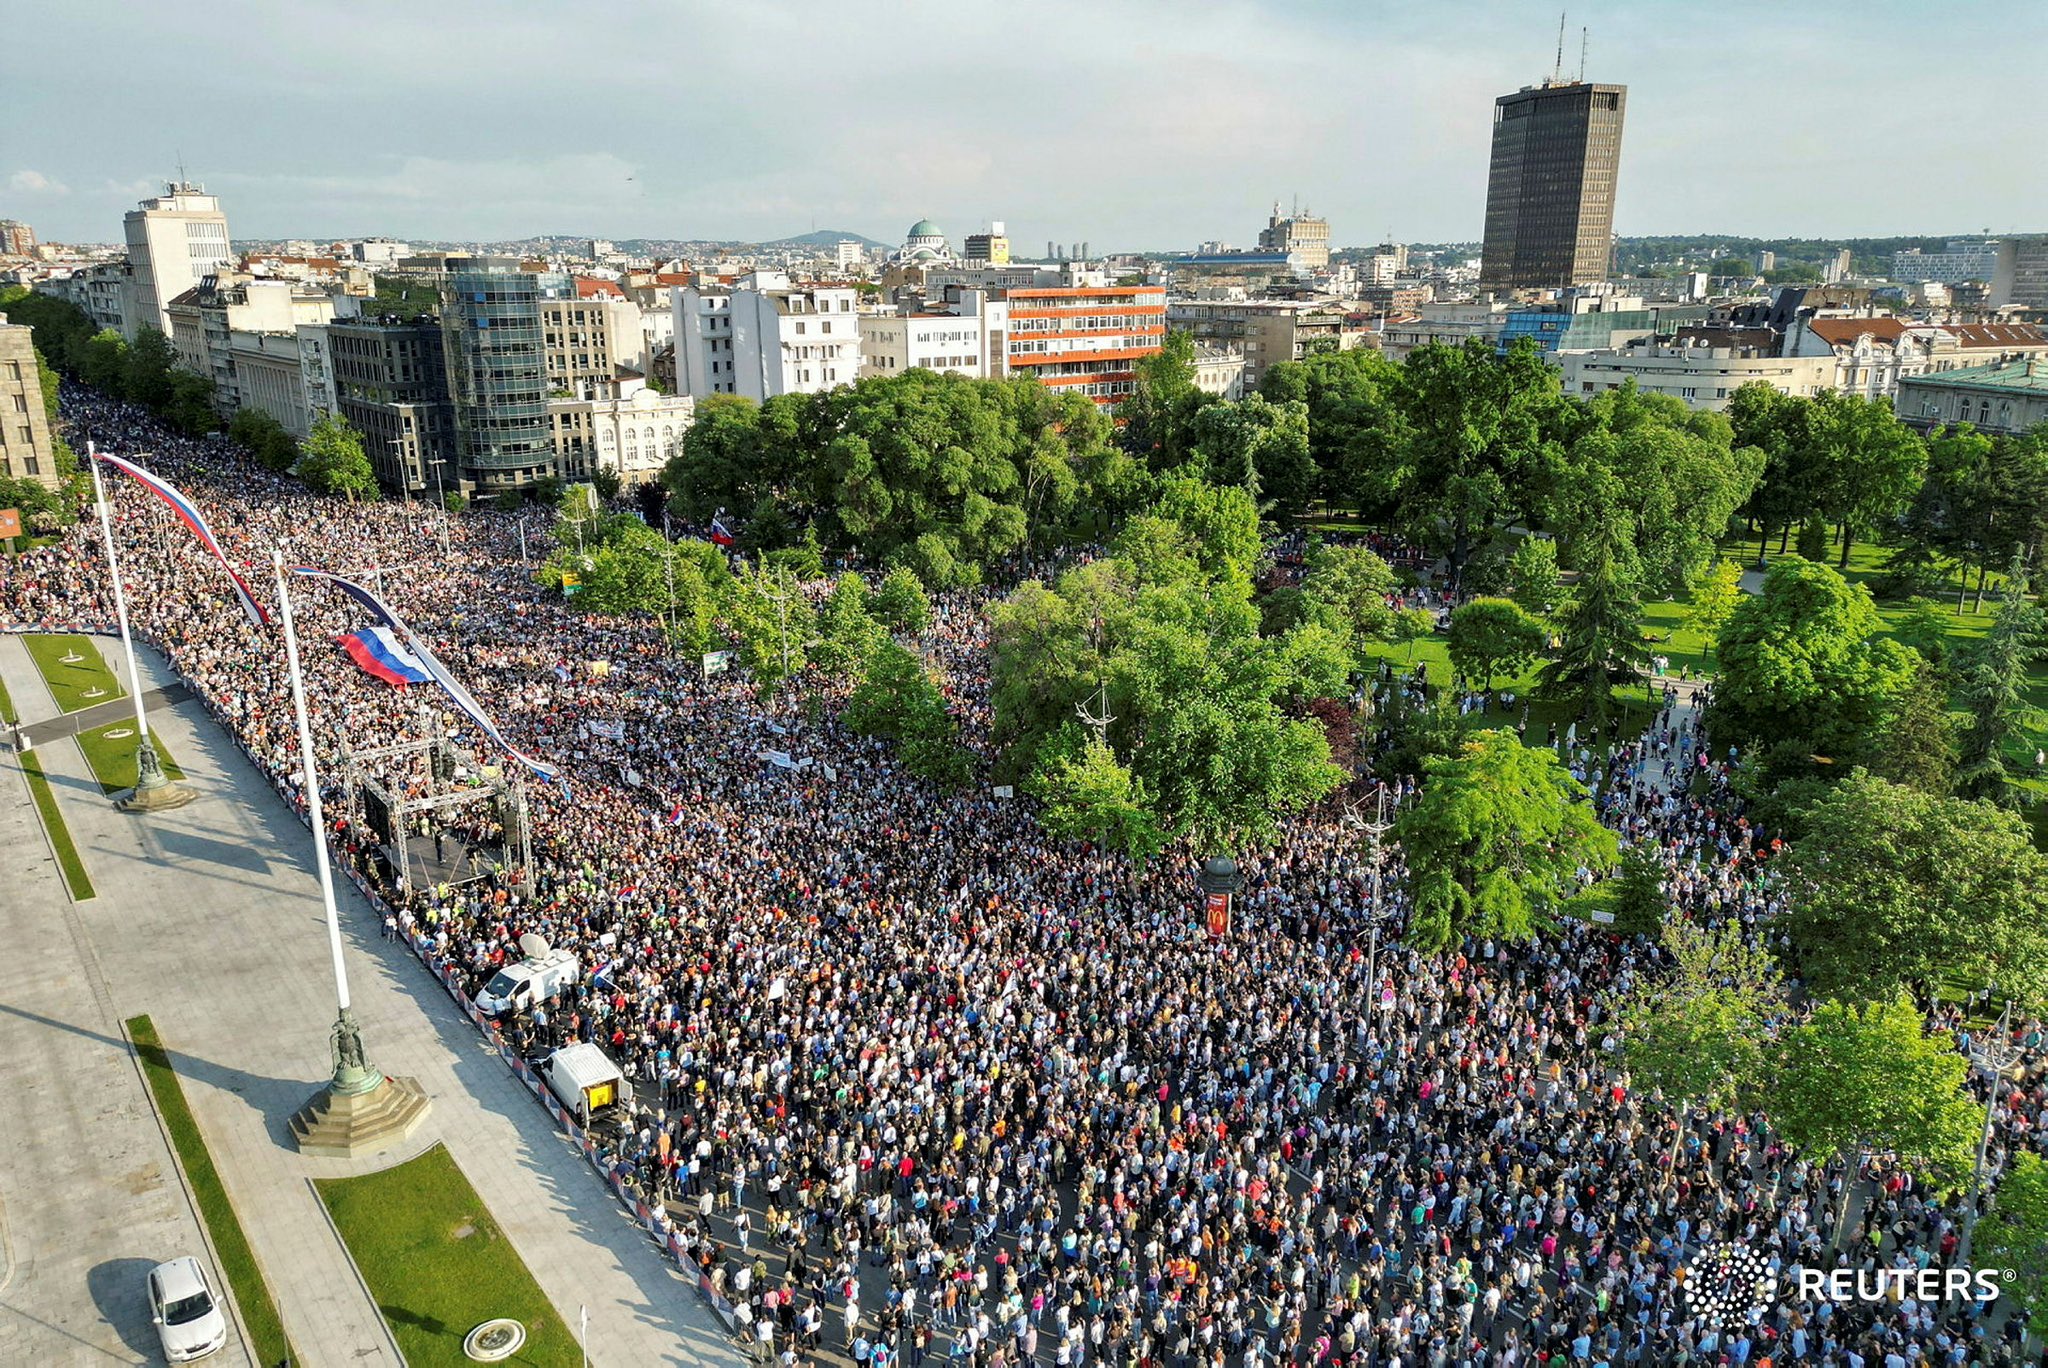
923,228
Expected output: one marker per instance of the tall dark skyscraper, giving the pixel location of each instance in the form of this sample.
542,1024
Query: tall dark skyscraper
1550,199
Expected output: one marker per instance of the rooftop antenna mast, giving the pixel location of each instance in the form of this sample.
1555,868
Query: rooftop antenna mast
1557,67
1582,56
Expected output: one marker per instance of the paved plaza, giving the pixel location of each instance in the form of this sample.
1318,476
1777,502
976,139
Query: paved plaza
208,919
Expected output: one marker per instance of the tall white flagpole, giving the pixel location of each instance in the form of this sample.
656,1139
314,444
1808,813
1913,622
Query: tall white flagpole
152,789
352,1072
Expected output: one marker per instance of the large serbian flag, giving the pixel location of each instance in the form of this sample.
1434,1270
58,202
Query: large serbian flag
720,534
379,651
189,514
418,653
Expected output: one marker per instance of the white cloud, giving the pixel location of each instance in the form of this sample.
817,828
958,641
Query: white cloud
27,182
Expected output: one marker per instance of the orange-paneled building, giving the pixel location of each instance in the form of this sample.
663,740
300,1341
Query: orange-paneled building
1086,338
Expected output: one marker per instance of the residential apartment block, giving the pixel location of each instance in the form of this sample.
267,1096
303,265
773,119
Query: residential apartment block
765,336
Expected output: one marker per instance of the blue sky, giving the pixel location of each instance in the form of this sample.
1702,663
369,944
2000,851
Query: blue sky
1127,123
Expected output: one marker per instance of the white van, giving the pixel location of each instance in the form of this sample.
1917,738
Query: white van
517,987
586,1081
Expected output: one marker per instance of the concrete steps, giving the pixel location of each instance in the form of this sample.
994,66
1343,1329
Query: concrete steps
349,1126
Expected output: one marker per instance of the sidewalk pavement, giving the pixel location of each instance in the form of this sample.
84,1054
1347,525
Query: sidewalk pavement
90,1197
209,919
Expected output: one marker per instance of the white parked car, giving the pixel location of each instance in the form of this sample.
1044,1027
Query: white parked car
185,1310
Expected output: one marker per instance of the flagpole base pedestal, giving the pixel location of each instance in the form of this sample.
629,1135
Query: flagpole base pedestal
161,797
154,790
346,1125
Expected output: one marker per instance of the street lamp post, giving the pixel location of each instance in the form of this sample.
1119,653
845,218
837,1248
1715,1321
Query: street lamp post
1376,830
1992,1055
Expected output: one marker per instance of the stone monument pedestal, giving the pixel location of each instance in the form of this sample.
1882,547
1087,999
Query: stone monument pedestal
348,1125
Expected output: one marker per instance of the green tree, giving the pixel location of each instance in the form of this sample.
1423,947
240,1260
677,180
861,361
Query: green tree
1865,1079
1411,625
1640,900
1801,662
1163,633
2014,1235
1092,796
847,630
1532,576
1602,641
897,698
1778,425
103,363
149,364
1714,600
1345,589
1870,462
1351,421
901,603
1492,636
1672,477
1158,417
1472,434
1994,691
1891,889
189,408
1916,745
263,437
1701,1034
1261,446
1495,842
332,460
772,624
724,461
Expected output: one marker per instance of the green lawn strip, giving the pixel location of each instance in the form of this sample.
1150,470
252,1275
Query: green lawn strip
53,822
7,712
113,757
438,1264
237,1261
70,681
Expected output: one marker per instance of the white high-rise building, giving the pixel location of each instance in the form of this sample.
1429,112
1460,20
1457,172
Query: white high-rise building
174,241
765,336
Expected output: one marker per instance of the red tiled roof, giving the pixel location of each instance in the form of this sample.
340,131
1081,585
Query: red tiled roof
594,289
1997,335
1843,332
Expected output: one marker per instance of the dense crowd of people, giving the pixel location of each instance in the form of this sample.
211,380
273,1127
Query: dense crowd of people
915,1080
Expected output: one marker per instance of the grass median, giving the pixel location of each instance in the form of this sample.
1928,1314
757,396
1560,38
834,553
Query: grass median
237,1261
66,849
110,751
72,667
437,1264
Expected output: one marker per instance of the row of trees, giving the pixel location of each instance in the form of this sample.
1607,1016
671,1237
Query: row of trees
942,473
146,373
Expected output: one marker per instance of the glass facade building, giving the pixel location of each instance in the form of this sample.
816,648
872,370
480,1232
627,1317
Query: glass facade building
1550,197
497,374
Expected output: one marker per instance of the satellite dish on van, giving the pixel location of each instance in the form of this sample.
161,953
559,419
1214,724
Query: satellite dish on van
533,947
